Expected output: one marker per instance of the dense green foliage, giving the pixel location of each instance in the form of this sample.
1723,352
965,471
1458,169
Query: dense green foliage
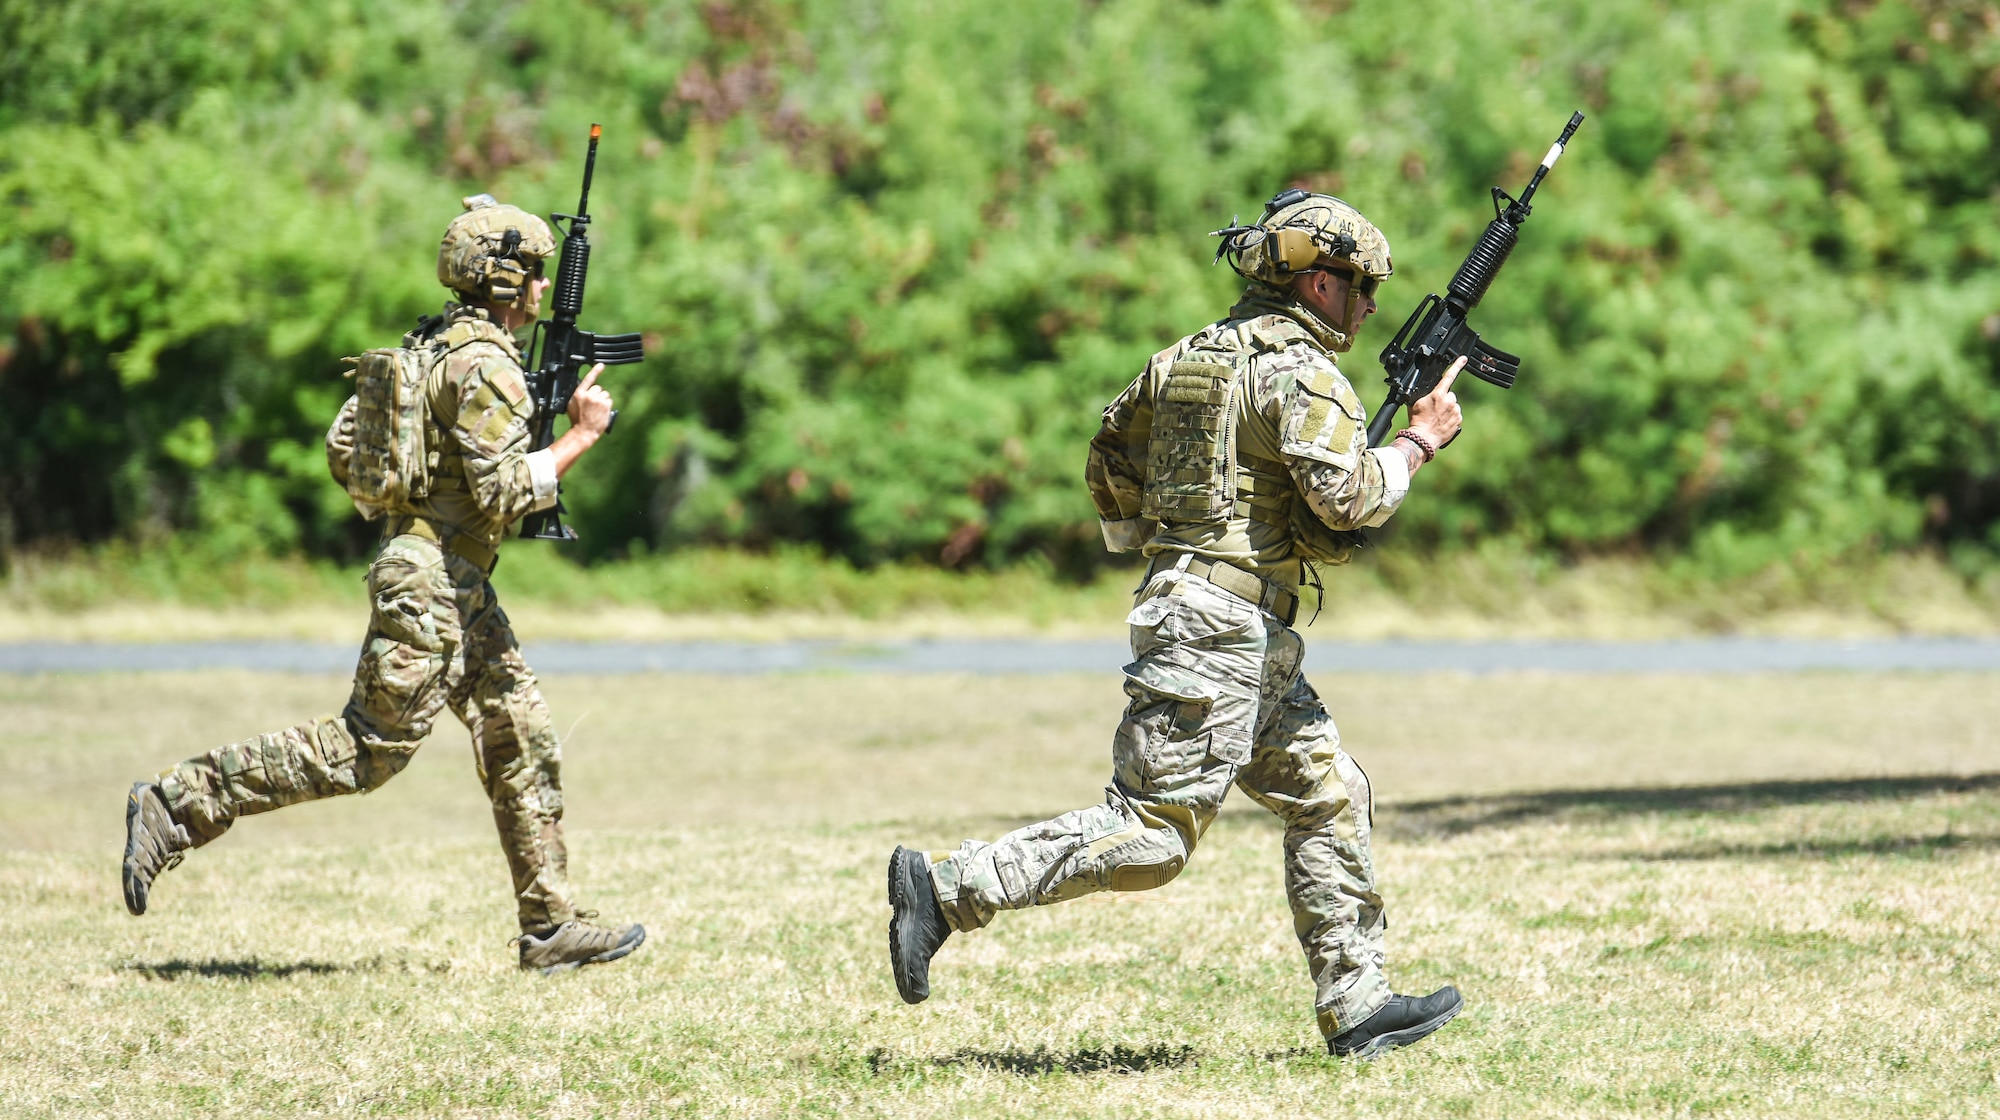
893,255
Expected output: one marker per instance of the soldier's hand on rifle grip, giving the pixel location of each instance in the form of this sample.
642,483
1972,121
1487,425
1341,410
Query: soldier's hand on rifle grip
590,406
589,417
1437,417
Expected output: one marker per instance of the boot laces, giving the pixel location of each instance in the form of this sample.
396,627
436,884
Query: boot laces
594,937
579,929
161,849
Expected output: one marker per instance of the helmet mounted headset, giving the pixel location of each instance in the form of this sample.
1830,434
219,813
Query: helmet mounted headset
1301,232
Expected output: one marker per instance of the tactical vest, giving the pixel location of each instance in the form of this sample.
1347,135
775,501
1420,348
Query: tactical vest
1209,458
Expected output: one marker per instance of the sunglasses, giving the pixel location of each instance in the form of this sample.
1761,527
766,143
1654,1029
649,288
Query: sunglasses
1366,284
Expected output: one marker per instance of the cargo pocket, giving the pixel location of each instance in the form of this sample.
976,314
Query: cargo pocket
1190,617
395,695
1177,736
403,594
1151,612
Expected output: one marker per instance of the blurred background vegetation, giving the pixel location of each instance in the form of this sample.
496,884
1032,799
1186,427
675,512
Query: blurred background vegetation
892,256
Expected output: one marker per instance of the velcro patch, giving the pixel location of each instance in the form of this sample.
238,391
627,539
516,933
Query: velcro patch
489,408
494,428
506,379
1198,383
1325,411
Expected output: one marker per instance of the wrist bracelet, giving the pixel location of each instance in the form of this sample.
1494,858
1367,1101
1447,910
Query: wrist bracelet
1422,445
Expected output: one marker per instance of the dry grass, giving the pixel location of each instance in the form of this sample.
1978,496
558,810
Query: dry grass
178,593
1663,896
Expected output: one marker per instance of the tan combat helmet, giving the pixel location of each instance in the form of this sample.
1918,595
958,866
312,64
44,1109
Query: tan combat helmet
490,252
1301,231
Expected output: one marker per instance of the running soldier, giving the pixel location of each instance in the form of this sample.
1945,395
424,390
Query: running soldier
1238,457
437,636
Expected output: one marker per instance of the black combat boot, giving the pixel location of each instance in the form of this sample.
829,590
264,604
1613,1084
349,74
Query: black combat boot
153,842
1401,1021
917,926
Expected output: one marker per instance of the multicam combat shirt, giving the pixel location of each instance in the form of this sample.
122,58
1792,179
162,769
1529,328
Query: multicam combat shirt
482,476
485,478
1298,411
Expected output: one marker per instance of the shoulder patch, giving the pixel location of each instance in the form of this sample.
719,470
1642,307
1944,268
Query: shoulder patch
1323,380
1323,415
483,368
493,416
508,381
491,392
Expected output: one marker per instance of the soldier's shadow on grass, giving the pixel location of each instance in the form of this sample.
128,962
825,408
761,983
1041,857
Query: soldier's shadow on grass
1905,847
1454,816
1042,1061
251,968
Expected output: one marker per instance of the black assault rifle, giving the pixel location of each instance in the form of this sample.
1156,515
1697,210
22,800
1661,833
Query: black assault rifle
562,352
1436,334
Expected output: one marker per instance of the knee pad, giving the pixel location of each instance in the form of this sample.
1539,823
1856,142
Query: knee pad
1148,862
381,761
1145,876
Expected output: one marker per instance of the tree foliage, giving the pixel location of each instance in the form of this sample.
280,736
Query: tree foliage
892,256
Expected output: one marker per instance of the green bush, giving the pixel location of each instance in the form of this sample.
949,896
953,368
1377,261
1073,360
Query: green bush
892,256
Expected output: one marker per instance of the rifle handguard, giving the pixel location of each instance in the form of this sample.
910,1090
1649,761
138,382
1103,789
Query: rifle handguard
1481,265
575,266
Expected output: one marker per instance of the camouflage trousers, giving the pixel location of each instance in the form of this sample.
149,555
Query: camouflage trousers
1216,698
437,636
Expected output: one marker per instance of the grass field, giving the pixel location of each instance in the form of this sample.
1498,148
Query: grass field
1663,896
181,589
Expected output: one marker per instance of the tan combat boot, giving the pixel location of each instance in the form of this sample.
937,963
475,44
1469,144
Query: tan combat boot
153,842
576,943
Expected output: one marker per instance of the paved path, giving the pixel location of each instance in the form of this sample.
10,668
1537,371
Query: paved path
1016,655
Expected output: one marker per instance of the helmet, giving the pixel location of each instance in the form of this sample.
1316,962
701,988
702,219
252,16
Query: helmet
490,251
1300,232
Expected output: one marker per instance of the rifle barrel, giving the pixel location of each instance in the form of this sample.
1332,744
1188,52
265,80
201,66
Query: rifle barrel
589,165
1555,153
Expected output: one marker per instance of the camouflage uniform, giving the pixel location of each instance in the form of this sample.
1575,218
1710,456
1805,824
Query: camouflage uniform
1216,692
436,637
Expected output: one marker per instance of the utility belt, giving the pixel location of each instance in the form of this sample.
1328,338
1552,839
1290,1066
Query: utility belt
1278,602
463,545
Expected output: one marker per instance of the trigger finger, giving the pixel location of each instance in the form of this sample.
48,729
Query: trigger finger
1451,372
